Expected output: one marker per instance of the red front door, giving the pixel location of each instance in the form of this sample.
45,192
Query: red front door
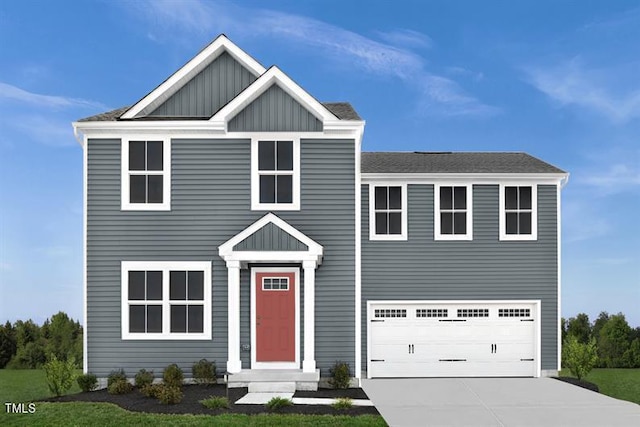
275,317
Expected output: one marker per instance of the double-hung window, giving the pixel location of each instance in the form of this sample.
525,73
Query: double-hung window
388,212
166,300
146,174
275,177
453,213
518,212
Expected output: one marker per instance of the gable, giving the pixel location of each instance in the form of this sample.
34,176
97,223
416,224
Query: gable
270,238
275,111
208,91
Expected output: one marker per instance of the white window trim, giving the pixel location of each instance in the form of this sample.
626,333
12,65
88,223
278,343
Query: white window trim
437,231
372,213
165,267
255,176
126,205
534,213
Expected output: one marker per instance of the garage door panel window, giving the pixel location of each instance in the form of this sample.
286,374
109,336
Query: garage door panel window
390,313
514,312
388,212
518,212
432,312
473,312
453,214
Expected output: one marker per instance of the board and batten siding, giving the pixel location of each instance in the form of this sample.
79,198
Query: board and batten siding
483,269
211,89
275,111
271,238
210,203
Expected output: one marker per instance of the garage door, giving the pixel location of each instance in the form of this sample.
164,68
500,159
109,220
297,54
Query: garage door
452,339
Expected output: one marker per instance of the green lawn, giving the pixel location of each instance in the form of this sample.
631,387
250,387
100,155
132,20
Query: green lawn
619,383
25,385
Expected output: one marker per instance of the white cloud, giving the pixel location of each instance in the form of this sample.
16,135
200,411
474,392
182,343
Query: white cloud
391,58
572,83
13,93
619,177
47,130
5,266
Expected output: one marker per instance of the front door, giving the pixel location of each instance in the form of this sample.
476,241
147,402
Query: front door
275,319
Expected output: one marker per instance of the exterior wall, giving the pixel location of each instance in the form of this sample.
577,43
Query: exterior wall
275,111
210,203
270,238
208,91
485,268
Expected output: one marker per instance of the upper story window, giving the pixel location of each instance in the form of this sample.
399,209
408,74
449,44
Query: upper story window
388,212
518,212
146,174
275,175
453,213
166,300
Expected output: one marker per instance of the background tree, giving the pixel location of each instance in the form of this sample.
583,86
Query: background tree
613,341
579,327
8,344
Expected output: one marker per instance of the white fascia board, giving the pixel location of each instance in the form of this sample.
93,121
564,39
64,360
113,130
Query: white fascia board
273,76
475,178
339,126
190,69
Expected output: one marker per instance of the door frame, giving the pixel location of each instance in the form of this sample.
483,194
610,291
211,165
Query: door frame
296,287
537,339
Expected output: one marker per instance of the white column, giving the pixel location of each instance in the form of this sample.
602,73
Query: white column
309,362
234,365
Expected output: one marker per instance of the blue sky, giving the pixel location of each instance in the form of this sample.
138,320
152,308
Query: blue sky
557,79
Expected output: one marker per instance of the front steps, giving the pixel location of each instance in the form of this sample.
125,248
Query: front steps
274,380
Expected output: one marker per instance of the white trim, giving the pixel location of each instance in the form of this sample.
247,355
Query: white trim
309,359
125,175
437,235
314,253
372,223
165,267
559,262
273,76
358,258
190,69
255,175
234,363
475,178
296,288
534,213
85,210
536,302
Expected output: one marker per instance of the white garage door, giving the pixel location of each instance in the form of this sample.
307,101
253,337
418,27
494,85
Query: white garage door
453,339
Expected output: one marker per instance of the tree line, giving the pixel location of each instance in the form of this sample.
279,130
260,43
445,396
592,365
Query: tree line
616,343
26,345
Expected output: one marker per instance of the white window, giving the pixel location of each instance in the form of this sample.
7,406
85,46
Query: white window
166,300
518,212
275,174
388,212
146,174
453,212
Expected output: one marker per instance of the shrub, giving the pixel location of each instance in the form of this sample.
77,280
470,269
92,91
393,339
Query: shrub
169,395
579,358
342,403
277,403
119,387
87,382
204,372
340,375
60,374
143,378
151,390
216,402
172,375
632,355
117,375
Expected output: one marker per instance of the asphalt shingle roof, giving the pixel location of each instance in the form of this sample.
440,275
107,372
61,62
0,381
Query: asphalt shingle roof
447,162
342,110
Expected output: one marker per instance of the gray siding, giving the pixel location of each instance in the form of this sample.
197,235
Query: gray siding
483,269
208,91
271,238
210,204
275,111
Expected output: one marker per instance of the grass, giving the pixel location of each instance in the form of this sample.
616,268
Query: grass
622,384
216,402
106,414
26,385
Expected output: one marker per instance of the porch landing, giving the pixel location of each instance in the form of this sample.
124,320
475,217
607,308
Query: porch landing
274,380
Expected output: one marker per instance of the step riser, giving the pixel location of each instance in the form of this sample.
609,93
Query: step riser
272,387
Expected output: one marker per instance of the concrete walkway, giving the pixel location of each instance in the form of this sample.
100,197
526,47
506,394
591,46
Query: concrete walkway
504,402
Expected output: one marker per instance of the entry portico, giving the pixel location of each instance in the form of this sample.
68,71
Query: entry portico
270,242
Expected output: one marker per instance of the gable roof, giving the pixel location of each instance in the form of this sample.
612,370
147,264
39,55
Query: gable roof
449,162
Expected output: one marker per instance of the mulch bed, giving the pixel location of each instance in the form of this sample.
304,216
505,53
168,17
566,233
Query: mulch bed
579,383
137,402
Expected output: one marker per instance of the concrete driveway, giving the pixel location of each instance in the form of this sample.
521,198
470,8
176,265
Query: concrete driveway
504,402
